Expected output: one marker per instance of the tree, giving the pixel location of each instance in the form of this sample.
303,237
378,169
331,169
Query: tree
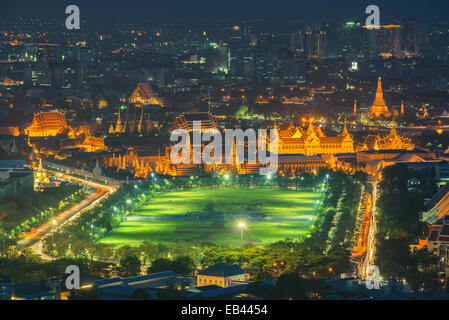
159,265
12,252
29,256
292,286
130,265
183,265
148,250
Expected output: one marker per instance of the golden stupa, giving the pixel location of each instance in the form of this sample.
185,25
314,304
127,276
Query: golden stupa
379,108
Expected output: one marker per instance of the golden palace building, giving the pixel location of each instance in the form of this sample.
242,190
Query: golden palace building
46,124
392,141
299,151
312,141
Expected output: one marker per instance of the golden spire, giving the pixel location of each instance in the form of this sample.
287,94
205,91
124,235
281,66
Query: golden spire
139,126
402,107
379,108
379,92
393,131
310,128
345,131
355,107
118,127
119,121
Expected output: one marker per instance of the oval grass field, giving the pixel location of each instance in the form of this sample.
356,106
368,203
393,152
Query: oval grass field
212,216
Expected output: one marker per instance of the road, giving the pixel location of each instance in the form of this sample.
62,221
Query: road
368,260
35,238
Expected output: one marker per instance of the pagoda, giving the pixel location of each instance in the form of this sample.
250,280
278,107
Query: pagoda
379,108
119,127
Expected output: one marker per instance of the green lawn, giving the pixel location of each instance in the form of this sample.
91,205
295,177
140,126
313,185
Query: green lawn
212,216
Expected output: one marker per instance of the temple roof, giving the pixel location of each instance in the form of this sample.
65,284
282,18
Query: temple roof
144,94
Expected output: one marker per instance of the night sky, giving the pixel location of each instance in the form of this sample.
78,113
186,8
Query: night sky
115,11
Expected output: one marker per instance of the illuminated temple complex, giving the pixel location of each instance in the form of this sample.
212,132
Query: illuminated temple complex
46,124
132,126
91,143
379,108
392,141
312,141
300,150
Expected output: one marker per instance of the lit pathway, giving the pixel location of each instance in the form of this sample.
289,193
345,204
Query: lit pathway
35,239
368,261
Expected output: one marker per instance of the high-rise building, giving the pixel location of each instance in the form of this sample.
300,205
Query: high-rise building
350,39
332,40
412,37
385,41
69,75
243,68
38,75
321,44
315,43
218,59
308,43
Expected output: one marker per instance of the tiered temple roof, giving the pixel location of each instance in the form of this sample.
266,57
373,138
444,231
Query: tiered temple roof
144,94
392,141
185,121
47,124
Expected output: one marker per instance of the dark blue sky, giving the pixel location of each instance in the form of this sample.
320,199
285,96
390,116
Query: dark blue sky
142,10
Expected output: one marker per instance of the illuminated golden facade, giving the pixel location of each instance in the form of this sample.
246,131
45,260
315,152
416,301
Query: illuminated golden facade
312,141
135,161
392,141
144,95
379,108
46,124
91,143
299,151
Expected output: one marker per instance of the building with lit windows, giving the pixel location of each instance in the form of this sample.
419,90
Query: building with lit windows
222,275
312,141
